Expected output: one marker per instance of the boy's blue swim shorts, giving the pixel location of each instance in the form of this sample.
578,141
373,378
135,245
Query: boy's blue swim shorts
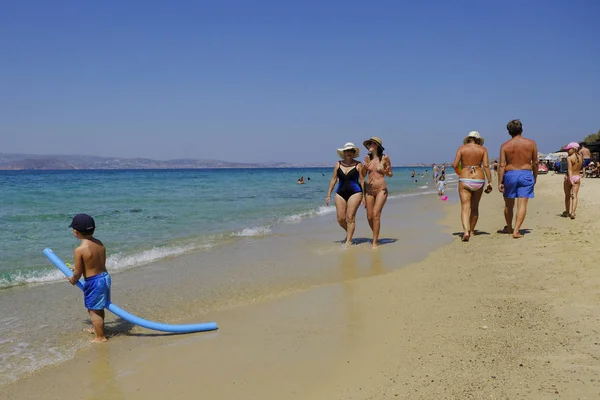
96,291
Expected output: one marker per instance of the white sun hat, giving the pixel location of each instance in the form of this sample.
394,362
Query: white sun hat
348,146
475,135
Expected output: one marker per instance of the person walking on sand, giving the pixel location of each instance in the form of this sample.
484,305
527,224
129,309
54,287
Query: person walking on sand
349,193
586,154
472,165
90,262
377,167
572,179
517,175
436,172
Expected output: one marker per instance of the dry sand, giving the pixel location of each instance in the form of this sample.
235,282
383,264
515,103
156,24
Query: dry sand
496,317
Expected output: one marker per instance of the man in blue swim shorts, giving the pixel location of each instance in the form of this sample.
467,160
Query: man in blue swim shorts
90,262
517,175
586,153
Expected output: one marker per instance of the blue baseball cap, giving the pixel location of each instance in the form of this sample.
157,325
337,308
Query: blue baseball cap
83,223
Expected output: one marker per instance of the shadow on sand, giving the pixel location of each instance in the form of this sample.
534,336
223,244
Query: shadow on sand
361,240
522,231
476,233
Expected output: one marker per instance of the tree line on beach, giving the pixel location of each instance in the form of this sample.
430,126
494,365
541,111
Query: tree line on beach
592,137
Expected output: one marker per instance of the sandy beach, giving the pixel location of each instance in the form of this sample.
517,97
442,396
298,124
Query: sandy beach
492,318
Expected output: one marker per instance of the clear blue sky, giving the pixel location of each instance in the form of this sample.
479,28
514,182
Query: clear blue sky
292,81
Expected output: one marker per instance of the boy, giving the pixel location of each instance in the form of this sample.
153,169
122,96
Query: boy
90,260
441,185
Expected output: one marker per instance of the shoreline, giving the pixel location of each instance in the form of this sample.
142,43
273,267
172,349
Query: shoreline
197,286
494,317
179,168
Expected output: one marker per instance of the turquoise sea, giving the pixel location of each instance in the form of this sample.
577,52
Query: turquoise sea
146,215
183,245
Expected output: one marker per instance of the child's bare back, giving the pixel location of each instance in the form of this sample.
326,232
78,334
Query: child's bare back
92,256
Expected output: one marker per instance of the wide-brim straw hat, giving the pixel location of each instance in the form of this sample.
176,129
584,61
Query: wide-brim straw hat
473,134
348,146
374,139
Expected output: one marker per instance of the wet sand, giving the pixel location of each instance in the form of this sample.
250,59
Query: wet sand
43,323
492,318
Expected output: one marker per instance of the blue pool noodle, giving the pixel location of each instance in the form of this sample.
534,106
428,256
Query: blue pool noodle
134,319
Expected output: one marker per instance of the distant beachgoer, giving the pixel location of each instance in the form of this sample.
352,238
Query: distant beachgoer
308,178
495,167
472,166
443,170
591,170
435,173
517,175
90,260
441,185
586,154
349,193
572,179
377,166
301,180
412,174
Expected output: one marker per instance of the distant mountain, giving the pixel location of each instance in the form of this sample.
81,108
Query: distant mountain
65,162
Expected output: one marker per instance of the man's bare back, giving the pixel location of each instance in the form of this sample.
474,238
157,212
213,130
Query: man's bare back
585,152
519,153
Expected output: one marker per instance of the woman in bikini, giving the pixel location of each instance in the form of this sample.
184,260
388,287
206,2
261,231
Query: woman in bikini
349,193
470,164
572,179
377,167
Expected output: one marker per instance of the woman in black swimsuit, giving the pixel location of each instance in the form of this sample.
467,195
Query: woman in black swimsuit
348,195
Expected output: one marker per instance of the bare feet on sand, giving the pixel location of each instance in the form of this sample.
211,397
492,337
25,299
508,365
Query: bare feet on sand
465,237
517,235
96,339
572,216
